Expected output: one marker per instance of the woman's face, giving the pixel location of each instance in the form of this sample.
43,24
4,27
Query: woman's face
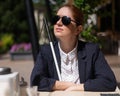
62,31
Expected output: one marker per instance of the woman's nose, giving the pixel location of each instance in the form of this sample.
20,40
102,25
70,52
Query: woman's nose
59,22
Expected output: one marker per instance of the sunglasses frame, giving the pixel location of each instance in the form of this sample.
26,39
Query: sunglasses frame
65,20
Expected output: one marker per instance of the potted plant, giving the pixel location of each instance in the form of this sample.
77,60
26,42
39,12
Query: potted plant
21,51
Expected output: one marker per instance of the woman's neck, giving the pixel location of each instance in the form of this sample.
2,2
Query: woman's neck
67,46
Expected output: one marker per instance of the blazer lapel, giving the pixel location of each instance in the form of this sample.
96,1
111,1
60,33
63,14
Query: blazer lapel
57,53
81,61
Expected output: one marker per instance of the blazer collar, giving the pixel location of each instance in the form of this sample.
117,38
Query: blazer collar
81,49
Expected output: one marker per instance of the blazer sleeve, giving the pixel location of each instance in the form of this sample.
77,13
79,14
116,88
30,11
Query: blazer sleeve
103,79
40,74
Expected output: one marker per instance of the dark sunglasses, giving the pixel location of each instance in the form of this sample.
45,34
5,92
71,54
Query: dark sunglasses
65,20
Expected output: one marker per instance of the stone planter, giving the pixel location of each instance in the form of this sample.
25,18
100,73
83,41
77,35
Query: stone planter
21,55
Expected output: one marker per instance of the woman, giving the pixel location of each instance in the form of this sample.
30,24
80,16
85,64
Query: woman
82,65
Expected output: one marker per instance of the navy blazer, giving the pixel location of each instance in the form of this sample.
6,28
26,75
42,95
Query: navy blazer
94,71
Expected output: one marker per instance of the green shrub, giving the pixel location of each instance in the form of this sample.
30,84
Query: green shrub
6,42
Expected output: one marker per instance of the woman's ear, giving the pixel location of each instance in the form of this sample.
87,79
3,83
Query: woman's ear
79,29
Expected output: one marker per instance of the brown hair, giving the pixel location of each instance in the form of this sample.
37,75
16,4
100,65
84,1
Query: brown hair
77,13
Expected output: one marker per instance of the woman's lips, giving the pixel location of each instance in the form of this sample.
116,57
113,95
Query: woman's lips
59,29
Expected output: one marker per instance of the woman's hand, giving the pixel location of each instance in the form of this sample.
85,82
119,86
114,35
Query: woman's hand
62,85
76,87
68,86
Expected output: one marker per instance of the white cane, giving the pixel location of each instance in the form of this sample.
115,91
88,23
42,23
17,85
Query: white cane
52,48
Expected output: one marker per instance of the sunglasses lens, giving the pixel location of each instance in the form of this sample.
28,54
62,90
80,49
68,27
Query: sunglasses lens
66,20
55,19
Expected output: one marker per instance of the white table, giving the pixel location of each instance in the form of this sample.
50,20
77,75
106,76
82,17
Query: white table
68,93
76,93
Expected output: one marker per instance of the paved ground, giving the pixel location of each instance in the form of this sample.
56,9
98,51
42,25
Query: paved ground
114,62
24,67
